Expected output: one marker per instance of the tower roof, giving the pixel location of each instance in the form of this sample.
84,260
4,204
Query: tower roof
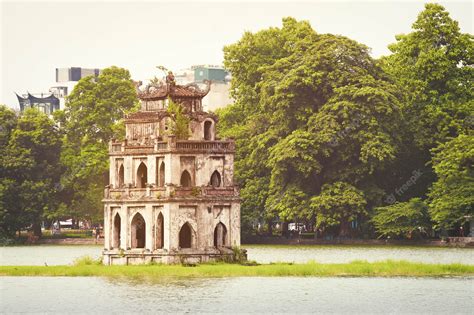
164,90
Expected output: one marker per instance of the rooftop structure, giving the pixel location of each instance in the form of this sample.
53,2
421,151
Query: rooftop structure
46,104
66,79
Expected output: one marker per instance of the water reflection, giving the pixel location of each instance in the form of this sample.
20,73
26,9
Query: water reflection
63,255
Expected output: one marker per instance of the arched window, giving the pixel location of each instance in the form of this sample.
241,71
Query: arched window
160,231
142,176
185,236
216,179
161,175
121,176
138,231
220,235
186,179
207,130
116,231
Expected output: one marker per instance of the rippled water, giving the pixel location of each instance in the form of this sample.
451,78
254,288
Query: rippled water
63,255
342,254
238,295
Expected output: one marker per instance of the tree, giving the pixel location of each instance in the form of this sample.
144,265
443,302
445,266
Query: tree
310,110
402,219
31,171
180,125
433,66
8,225
92,117
452,194
338,204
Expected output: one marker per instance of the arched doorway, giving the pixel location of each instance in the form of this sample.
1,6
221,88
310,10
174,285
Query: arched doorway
116,232
216,179
138,231
121,176
186,179
142,175
186,236
160,231
207,130
220,235
161,175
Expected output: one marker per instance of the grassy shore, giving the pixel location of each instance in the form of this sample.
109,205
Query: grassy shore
354,269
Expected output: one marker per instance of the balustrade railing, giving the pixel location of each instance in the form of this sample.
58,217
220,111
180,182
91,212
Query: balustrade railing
188,145
167,192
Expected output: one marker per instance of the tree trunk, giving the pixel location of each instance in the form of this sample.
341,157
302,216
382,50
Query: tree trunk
270,227
37,229
284,229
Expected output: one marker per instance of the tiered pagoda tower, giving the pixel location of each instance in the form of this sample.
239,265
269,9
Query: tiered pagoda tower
170,200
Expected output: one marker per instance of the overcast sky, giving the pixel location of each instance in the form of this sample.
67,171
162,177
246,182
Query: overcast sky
37,37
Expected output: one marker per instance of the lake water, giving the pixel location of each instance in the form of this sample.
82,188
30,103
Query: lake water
237,295
63,255
240,295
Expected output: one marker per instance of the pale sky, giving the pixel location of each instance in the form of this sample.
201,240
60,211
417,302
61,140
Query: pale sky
36,37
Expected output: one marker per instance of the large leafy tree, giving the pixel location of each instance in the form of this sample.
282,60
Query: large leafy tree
402,219
311,110
30,170
8,218
452,195
433,66
338,203
92,117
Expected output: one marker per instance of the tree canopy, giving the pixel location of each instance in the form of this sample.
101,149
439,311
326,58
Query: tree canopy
93,115
326,134
310,110
30,170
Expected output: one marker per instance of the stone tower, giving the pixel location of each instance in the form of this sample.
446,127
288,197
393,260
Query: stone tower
170,200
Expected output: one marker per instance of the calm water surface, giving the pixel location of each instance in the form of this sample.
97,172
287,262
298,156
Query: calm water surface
63,255
238,295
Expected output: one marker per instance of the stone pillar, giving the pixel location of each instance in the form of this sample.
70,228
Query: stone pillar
167,226
151,169
148,190
169,169
228,172
234,230
149,225
112,169
124,230
107,225
128,169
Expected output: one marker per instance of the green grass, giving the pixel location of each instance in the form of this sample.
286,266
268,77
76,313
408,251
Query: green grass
389,268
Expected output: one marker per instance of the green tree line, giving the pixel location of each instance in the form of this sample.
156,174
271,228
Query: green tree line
57,168
349,144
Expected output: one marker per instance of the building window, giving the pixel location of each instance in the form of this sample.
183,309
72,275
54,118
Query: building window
220,235
160,231
207,130
186,179
117,231
185,236
138,231
216,179
142,176
161,175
